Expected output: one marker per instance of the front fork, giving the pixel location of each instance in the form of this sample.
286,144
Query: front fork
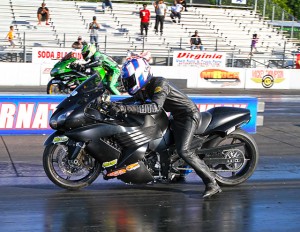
74,148
74,152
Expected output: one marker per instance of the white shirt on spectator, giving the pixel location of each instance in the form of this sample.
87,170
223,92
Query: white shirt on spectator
161,9
177,8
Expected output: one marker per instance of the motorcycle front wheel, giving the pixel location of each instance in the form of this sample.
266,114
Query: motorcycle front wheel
69,174
235,173
53,88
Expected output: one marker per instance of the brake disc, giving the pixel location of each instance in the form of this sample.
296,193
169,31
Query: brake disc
69,167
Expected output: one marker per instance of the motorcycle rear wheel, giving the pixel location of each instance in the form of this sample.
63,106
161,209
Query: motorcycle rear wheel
65,174
250,151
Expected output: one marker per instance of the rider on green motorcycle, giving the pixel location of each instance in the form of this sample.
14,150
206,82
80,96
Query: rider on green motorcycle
96,59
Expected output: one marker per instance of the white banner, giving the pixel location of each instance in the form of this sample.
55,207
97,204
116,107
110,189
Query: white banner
267,79
216,78
239,1
199,59
47,55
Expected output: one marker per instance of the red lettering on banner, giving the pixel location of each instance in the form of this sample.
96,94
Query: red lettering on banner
7,112
262,73
204,55
46,54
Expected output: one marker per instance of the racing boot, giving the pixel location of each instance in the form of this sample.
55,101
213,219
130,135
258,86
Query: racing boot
203,172
211,189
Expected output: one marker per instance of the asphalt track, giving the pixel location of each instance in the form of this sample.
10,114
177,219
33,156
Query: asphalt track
268,201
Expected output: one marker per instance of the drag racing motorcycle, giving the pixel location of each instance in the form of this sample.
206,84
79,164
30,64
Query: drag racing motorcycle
65,76
139,149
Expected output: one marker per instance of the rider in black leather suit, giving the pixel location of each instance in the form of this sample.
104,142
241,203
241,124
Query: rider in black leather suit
163,94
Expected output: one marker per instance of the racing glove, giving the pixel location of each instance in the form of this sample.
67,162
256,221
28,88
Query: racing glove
116,109
78,67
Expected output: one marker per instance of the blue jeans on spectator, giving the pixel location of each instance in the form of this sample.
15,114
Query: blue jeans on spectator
108,4
94,38
200,47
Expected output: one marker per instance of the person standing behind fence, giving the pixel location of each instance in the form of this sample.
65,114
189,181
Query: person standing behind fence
94,27
196,42
160,10
10,36
145,18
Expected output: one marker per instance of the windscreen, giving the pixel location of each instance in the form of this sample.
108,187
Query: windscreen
68,56
91,84
84,93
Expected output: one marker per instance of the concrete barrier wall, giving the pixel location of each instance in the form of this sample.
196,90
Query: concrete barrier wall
29,74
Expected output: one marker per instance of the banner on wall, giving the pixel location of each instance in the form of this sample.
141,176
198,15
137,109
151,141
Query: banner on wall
47,55
216,78
21,114
199,59
267,79
239,1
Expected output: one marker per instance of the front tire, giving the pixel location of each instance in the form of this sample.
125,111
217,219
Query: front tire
64,172
53,88
225,177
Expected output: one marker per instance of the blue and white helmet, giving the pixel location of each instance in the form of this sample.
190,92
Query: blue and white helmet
135,74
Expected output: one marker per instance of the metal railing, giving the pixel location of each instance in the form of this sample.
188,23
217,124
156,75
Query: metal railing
279,58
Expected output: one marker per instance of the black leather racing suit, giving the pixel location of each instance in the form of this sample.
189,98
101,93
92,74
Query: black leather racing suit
186,119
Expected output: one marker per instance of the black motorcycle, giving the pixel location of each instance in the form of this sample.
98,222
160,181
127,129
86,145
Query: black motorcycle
140,149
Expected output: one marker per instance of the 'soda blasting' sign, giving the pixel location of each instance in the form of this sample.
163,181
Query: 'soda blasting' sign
44,55
21,115
199,59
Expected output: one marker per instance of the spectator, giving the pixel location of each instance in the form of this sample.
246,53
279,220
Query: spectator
253,43
94,27
219,2
298,61
145,18
79,43
160,10
10,36
183,3
196,42
176,11
43,14
106,3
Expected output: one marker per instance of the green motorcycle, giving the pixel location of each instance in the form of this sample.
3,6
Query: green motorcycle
65,78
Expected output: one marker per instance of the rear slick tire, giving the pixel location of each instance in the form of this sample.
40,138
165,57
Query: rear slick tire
250,151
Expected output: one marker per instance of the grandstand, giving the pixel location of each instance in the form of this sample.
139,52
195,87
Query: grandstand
221,29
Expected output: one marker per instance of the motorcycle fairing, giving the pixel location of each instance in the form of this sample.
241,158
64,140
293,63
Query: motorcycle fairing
222,119
141,175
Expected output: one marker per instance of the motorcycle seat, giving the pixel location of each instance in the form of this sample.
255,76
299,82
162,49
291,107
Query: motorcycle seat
205,119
